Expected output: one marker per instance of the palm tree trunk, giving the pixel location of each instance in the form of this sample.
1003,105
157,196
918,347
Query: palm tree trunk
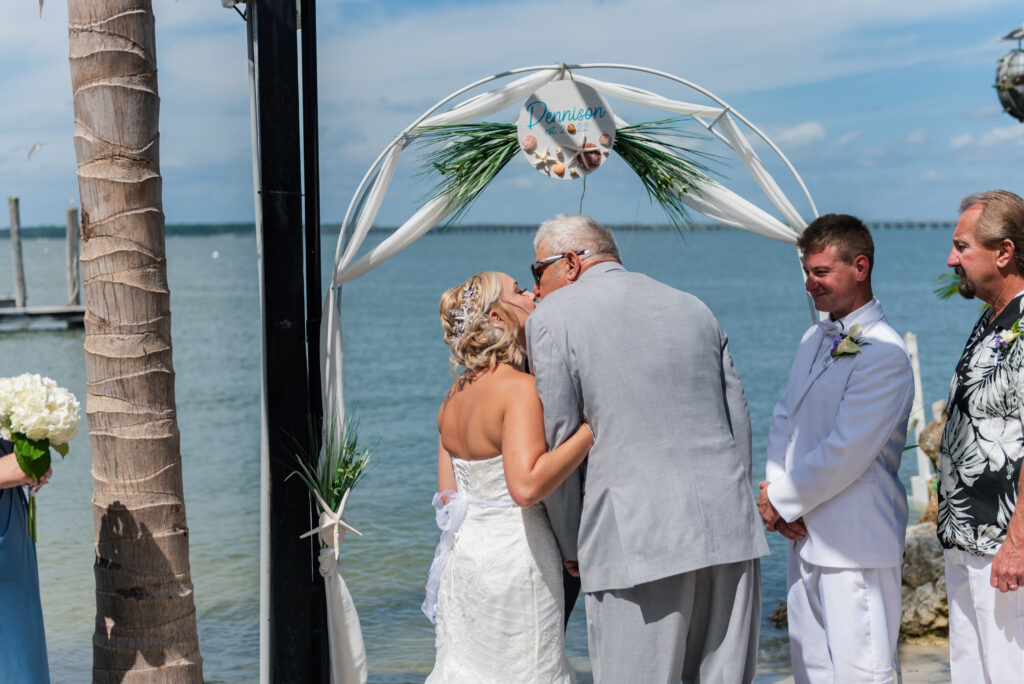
145,613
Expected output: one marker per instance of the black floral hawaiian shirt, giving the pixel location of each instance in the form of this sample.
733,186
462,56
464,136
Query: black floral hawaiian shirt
982,443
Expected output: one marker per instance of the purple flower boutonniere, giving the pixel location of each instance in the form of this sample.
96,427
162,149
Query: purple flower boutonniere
848,343
1006,338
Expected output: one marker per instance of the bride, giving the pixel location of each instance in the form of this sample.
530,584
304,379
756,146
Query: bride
496,583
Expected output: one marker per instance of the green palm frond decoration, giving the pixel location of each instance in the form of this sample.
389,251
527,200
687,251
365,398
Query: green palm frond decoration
469,156
666,169
343,465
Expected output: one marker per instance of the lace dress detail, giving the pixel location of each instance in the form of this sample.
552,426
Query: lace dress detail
499,605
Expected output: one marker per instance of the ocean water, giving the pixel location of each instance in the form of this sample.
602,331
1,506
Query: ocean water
396,374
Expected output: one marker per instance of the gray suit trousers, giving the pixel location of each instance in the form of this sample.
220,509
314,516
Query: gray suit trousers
700,627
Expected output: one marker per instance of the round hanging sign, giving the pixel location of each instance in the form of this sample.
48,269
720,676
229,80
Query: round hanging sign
566,129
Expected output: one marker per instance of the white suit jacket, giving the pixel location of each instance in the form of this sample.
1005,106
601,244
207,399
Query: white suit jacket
834,450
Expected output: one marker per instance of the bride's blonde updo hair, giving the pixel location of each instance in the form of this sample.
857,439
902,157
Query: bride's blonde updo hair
477,342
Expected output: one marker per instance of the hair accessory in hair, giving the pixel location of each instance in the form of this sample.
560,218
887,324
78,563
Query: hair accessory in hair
460,314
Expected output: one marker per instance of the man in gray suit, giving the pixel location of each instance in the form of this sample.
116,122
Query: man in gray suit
661,516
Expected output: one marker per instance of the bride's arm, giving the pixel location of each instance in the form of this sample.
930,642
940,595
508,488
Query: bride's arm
445,472
531,471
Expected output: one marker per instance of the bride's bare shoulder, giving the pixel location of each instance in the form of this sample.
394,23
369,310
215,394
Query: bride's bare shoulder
514,380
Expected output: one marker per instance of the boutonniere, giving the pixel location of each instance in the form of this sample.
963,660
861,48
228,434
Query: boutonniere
1006,338
848,343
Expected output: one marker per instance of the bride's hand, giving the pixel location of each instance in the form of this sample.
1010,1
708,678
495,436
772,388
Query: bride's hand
572,567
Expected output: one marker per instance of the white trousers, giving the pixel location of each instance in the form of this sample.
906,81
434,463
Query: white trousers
986,626
843,623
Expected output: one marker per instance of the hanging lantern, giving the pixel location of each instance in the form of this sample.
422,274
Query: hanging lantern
1010,77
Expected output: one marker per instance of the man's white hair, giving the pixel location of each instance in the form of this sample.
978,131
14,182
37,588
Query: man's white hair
569,233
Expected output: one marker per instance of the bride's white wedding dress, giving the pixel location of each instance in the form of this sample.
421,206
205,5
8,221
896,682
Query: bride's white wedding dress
496,586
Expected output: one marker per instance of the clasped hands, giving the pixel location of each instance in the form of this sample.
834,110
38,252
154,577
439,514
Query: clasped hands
773,522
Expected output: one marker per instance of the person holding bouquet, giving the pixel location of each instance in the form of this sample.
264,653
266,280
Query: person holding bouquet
22,637
36,416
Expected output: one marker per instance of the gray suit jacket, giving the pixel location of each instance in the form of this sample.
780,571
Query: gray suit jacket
666,488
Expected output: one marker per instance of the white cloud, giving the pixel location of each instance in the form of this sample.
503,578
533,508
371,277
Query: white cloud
916,137
988,111
523,182
848,138
999,137
1002,136
801,135
962,140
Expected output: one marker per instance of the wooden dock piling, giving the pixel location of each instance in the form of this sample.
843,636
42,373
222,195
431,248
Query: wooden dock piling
21,317
74,296
18,268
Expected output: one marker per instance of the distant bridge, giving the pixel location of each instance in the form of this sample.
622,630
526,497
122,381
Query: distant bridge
227,228
525,228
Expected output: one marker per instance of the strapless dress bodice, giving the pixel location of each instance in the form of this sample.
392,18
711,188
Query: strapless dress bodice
483,479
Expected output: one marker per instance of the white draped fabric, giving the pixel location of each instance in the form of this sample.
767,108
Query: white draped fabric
709,198
348,653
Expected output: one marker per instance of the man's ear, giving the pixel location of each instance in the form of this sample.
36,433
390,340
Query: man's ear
1004,256
863,266
573,267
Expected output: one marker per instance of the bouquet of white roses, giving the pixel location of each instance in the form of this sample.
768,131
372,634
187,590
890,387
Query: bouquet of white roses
36,415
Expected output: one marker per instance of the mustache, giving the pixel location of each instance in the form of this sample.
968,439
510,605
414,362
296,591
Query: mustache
959,270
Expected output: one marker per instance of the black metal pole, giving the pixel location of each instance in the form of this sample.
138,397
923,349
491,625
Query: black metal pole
293,576
314,299
311,176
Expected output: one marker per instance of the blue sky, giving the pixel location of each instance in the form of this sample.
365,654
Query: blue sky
886,108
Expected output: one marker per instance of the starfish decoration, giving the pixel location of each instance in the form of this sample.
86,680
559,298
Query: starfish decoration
335,524
580,152
544,161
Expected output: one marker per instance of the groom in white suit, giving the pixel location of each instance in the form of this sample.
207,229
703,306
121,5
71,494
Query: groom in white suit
832,486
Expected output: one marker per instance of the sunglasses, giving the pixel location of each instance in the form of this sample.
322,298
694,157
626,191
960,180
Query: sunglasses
537,267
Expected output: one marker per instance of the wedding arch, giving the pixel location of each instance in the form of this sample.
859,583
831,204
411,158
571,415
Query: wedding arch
705,196
710,197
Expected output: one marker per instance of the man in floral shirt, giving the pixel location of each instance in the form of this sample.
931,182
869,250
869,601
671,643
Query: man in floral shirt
982,446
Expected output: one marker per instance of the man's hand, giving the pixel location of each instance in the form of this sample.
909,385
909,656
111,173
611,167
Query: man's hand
773,522
768,513
572,567
1008,564
794,531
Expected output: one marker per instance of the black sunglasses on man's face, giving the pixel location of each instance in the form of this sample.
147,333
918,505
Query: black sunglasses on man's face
537,267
